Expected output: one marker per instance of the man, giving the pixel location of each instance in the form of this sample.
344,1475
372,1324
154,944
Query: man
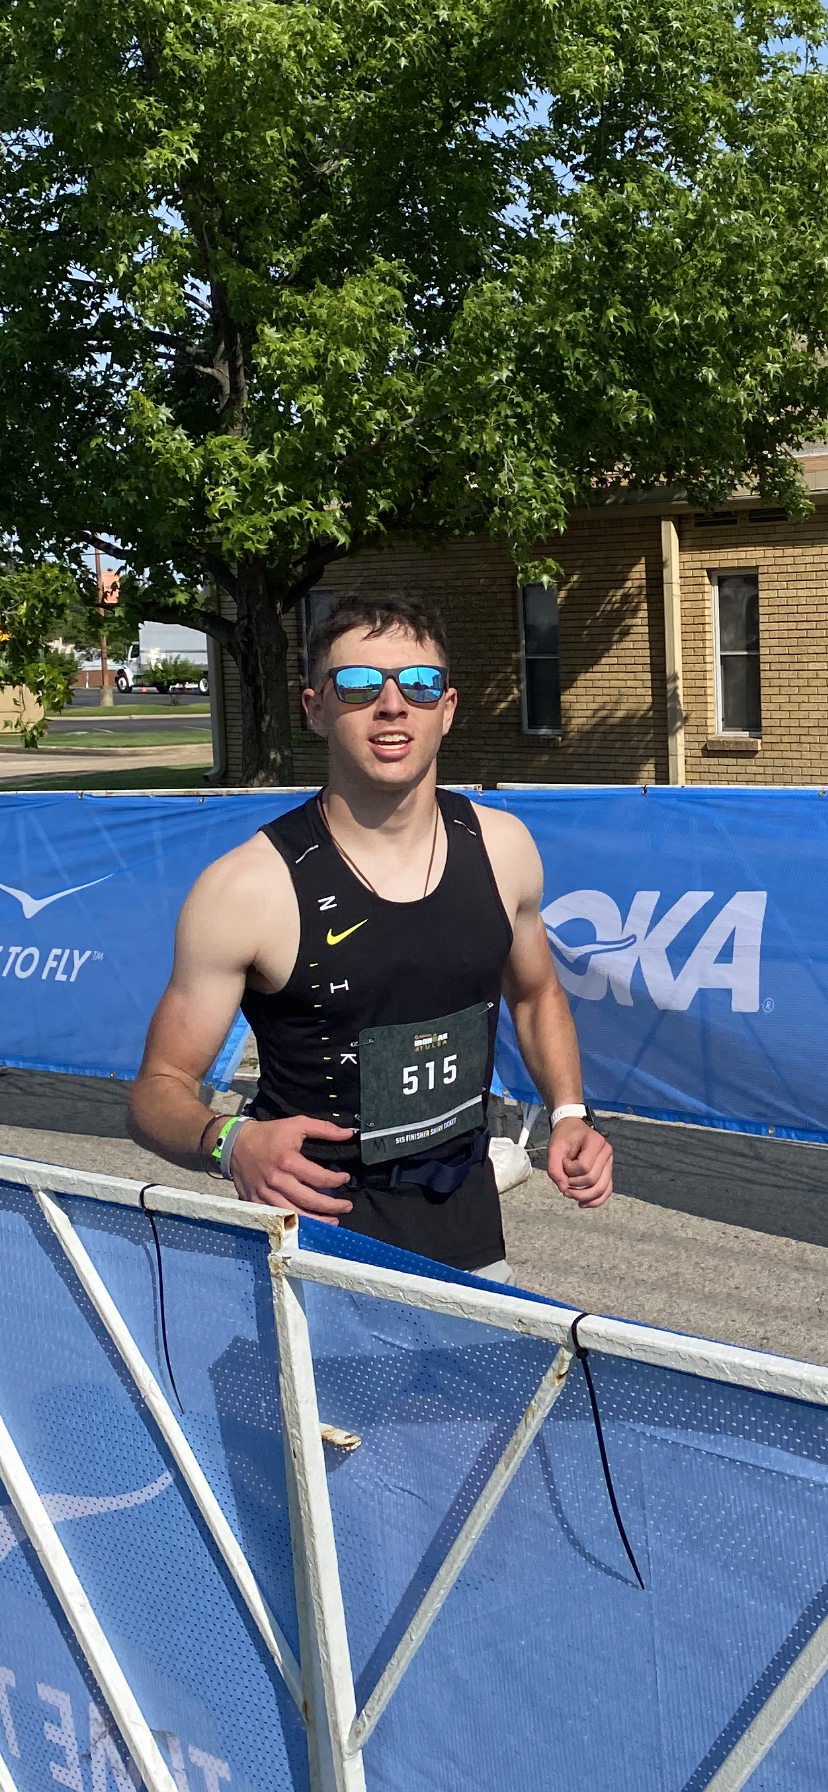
368,935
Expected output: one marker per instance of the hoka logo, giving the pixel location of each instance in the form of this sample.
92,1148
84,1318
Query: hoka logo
622,943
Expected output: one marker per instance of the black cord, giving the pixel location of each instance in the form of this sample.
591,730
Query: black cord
583,1356
151,1218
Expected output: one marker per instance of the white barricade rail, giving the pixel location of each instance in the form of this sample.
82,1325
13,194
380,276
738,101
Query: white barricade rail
209,1639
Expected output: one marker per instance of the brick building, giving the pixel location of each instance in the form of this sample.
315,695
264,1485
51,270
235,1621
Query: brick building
678,648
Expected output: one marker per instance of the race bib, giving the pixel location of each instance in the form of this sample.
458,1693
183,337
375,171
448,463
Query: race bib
421,1084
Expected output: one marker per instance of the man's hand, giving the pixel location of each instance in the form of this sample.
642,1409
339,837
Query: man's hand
580,1162
267,1166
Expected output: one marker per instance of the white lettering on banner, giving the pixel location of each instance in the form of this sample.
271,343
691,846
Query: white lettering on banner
104,1751
103,1754
212,1769
619,946
179,1771
63,1736
7,1679
26,959
80,959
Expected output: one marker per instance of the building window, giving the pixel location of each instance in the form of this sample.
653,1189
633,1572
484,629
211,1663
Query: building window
736,628
540,664
316,605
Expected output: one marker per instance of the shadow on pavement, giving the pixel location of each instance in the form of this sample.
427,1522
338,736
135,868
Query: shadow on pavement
768,1185
765,1185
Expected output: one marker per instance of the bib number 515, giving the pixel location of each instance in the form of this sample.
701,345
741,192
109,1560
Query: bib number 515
411,1074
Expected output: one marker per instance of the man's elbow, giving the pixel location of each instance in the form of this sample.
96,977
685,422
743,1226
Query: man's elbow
135,1115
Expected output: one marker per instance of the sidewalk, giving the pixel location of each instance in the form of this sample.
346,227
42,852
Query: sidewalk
54,762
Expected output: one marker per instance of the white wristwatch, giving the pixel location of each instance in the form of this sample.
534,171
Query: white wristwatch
570,1110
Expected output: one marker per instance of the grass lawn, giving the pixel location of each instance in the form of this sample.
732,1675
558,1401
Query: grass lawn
156,708
150,777
101,738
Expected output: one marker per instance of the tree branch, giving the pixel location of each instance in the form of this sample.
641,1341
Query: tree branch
209,562
314,563
104,547
208,621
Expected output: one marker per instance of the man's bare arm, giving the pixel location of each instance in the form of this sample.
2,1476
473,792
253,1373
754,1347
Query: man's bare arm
580,1160
217,941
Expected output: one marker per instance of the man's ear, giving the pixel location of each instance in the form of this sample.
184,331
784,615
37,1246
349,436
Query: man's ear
312,706
449,709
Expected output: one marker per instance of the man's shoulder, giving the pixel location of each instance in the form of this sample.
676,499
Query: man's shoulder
503,830
250,873
514,856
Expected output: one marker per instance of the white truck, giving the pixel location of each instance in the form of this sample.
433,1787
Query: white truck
159,641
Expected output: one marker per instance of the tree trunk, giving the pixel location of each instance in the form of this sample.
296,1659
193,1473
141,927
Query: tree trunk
260,650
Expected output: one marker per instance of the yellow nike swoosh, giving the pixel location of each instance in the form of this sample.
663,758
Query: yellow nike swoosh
335,938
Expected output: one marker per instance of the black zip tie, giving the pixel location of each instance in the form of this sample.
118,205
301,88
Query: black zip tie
151,1218
582,1354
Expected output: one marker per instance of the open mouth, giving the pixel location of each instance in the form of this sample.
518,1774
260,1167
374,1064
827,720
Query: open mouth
391,743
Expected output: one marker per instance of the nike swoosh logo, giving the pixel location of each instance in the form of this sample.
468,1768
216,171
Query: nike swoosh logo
334,939
61,1506
32,905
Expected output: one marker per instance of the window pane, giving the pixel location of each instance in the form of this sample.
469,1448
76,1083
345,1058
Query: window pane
543,694
316,605
741,704
540,619
739,613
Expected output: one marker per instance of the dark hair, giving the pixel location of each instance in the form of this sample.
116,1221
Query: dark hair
395,609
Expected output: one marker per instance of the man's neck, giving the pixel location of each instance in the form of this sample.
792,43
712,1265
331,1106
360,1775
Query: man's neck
357,808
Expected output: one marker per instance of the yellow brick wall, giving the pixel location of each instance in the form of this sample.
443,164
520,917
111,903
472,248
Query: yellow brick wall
791,560
612,655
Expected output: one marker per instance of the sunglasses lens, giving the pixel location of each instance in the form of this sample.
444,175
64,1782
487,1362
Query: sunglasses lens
357,684
423,684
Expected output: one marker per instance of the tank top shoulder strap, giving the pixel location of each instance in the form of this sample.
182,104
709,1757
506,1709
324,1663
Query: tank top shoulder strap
297,833
462,826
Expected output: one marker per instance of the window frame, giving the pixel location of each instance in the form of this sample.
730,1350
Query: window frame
304,605
552,732
714,575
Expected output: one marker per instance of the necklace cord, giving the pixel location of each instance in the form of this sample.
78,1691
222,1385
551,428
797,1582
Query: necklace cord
361,874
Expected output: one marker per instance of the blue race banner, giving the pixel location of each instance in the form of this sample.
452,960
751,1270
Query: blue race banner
90,893
688,928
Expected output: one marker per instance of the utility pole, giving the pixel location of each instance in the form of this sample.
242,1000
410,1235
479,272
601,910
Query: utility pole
107,698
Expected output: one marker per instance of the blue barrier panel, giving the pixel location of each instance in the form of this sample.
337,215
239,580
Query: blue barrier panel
688,928
546,1666
90,893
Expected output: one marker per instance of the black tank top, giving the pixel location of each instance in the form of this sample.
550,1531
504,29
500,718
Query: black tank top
364,962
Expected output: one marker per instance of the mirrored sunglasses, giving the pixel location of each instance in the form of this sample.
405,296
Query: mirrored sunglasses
361,685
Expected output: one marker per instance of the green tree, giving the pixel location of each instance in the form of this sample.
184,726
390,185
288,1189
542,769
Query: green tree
35,601
278,282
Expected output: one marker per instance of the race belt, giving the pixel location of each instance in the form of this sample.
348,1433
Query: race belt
422,1083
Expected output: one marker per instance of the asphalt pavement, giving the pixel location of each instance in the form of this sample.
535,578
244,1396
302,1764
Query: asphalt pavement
106,724
710,1232
91,699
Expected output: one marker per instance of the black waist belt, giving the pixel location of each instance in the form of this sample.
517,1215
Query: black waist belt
440,1174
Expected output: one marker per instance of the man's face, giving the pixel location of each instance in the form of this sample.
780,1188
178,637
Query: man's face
392,741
